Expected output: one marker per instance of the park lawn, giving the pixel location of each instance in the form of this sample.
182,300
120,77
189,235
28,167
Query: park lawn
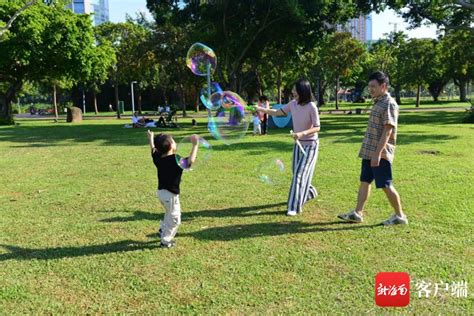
407,104
79,217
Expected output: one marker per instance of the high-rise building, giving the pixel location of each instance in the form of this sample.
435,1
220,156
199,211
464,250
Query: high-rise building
99,9
360,28
368,28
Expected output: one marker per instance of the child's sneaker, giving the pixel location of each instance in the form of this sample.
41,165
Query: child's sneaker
170,244
291,213
396,220
351,217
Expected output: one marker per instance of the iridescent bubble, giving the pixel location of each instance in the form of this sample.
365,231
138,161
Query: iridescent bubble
199,58
183,151
230,122
231,99
272,172
214,101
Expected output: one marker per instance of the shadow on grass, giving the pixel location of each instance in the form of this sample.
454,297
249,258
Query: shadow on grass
20,253
113,134
235,232
66,134
228,212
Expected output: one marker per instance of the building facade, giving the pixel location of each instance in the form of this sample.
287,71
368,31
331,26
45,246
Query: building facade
98,9
360,28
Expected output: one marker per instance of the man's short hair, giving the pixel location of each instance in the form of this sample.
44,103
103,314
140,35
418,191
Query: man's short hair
380,77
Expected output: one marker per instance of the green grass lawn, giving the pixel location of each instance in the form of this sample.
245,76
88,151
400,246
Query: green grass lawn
79,214
406,104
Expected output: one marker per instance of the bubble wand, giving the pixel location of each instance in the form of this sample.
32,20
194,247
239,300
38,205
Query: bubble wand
209,114
298,143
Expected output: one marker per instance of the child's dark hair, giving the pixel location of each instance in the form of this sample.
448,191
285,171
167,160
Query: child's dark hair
380,77
263,98
303,88
163,143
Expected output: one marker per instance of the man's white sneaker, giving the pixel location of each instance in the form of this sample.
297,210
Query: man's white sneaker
396,220
291,213
351,217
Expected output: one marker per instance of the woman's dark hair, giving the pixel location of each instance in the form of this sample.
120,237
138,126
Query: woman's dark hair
263,98
163,143
303,88
380,77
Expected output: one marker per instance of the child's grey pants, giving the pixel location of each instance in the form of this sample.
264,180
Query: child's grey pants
169,225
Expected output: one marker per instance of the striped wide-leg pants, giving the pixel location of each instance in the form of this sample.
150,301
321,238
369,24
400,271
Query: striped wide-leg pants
301,189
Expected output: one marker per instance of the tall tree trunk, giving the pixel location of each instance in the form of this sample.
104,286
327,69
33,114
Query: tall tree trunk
139,101
259,84
435,89
55,103
418,91
7,113
117,99
183,100
279,83
96,110
398,90
462,90
233,82
337,91
322,90
239,84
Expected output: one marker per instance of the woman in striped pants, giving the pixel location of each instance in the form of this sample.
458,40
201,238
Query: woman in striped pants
305,117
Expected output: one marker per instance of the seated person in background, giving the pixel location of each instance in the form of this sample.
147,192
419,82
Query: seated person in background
161,122
138,121
167,109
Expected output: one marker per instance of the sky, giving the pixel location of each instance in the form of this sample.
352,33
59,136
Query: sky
381,23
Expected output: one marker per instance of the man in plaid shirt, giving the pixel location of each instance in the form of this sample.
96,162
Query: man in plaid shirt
377,152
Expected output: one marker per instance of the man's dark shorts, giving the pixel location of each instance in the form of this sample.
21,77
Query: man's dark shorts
381,174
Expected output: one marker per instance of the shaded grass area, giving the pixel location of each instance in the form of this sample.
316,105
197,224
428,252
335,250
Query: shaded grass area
79,221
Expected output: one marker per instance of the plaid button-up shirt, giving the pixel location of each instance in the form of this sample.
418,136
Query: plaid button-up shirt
383,112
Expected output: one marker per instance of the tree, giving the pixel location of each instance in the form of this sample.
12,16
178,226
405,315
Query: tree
239,32
143,65
270,71
45,42
135,56
172,38
8,24
448,14
385,56
340,57
52,84
459,58
438,77
416,63
102,61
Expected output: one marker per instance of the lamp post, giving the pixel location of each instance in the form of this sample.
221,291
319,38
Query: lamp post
133,97
83,101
